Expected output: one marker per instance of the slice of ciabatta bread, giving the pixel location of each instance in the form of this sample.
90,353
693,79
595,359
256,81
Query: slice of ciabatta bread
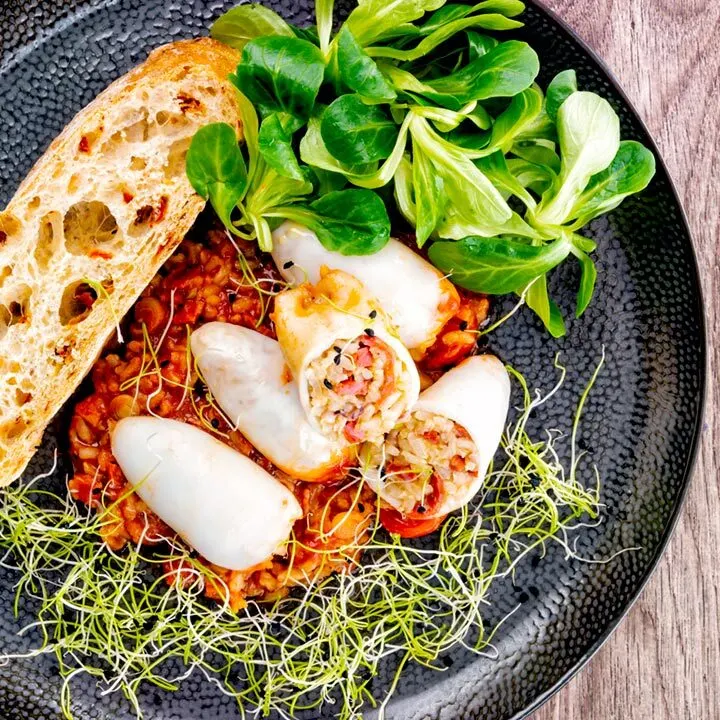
91,224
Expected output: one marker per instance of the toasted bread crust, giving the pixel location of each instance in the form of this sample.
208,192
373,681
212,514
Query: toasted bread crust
90,225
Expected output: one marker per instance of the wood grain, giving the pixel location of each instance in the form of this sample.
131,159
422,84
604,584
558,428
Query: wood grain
663,663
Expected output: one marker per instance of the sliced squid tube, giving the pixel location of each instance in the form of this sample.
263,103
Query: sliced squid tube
416,296
248,377
355,378
436,460
217,500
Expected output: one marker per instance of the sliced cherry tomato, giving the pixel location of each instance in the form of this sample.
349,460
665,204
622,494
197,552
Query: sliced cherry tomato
407,527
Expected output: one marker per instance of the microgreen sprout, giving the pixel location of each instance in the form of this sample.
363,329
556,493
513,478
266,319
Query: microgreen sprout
251,280
113,615
501,321
101,289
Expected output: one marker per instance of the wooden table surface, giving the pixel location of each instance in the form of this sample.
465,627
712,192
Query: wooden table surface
663,663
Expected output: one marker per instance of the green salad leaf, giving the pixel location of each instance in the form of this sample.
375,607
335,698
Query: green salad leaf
429,97
314,152
359,72
588,276
479,45
443,34
216,168
631,170
281,74
428,194
357,133
559,90
275,146
372,19
504,71
589,136
243,23
324,15
351,222
540,302
497,266
522,111
496,169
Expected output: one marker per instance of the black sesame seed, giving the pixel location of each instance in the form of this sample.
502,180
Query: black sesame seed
370,332
327,384
534,481
421,509
232,297
199,387
373,314
288,265
164,363
463,325
361,507
337,359
337,349
215,423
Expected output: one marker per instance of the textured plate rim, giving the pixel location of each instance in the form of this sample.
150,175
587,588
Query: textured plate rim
699,311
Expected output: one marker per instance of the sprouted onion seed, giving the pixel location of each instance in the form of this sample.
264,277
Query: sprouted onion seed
112,615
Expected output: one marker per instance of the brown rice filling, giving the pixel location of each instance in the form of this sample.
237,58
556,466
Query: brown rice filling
201,282
356,391
426,462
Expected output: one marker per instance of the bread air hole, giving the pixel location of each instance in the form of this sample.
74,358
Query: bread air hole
5,320
137,128
139,131
9,228
22,397
5,273
16,309
14,428
89,226
175,166
49,237
172,124
73,184
77,302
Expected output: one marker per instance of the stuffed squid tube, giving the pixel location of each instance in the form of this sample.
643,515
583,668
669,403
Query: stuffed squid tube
435,461
416,296
248,377
217,500
355,378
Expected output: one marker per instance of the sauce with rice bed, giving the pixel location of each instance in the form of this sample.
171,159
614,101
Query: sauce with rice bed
154,373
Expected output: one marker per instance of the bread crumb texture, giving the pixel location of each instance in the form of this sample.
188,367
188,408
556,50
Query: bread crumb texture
92,223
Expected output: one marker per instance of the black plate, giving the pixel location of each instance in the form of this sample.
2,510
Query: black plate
641,422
